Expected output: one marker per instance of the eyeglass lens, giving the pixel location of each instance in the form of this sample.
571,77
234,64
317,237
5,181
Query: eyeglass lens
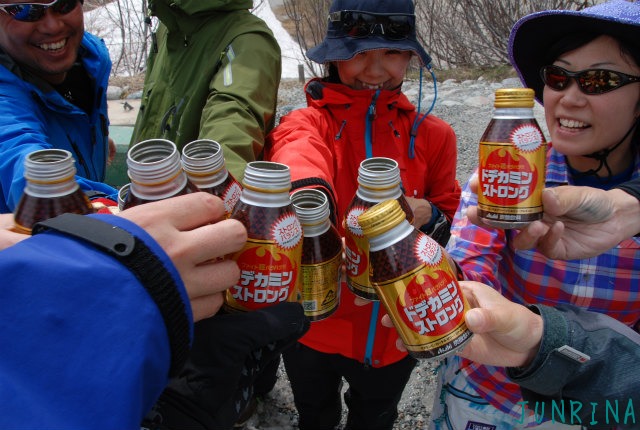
591,81
360,24
30,12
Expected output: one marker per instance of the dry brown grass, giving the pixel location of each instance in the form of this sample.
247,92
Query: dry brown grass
132,83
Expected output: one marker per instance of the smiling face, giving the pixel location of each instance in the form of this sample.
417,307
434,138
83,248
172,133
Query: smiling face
581,124
48,47
378,69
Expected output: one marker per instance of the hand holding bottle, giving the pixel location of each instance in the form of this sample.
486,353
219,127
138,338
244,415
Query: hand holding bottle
192,231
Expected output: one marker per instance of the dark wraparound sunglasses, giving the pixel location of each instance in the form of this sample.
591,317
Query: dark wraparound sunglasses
590,81
358,24
31,12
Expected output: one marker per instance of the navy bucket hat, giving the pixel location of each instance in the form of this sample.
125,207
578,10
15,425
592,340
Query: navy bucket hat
356,26
533,35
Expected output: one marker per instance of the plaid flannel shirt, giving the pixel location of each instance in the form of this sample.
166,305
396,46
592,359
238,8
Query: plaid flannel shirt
608,283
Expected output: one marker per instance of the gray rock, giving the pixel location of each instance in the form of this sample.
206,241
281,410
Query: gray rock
114,93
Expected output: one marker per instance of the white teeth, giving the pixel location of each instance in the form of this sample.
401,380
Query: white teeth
372,87
571,123
53,46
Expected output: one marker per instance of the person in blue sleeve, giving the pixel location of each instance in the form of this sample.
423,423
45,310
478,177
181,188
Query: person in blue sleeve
98,311
558,355
53,81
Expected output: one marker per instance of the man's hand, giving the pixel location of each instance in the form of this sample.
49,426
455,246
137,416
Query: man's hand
7,236
421,211
191,231
505,333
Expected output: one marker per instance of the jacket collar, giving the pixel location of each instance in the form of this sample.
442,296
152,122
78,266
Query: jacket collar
320,93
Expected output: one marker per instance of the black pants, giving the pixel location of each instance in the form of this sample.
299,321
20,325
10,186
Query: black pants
372,397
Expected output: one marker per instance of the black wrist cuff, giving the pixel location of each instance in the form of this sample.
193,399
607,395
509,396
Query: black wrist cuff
438,228
136,256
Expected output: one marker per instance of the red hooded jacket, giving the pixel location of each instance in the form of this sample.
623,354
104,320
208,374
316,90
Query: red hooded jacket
324,144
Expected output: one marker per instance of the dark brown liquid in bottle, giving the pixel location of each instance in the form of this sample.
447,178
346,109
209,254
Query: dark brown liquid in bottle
258,220
368,292
133,200
404,204
499,130
393,262
318,249
220,189
32,209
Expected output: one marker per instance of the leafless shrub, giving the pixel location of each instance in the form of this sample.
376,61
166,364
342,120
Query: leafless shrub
474,33
457,33
129,43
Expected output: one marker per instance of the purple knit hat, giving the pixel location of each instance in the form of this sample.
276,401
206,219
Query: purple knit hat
533,35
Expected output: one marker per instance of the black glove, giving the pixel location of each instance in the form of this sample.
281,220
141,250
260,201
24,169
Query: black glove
229,353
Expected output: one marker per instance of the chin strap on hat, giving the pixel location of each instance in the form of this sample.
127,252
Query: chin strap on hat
602,155
418,120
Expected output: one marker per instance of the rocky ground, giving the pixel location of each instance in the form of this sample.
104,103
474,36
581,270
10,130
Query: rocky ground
468,107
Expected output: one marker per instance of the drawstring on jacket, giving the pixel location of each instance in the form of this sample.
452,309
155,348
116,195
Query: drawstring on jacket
418,120
601,156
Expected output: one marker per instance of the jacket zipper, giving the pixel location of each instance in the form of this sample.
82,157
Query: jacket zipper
396,133
375,307
339,135
79,157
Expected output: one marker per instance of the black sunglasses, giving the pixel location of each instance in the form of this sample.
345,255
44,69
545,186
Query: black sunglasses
590,81
358,24
31,12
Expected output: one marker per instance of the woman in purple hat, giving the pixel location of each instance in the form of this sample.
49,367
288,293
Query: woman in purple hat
585,68
356,112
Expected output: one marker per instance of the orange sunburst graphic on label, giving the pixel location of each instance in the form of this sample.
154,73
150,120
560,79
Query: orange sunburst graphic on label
416,303
507,178
267,276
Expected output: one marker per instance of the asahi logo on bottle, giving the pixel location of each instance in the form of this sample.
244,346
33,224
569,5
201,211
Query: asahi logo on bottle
428,250
527,138
287,231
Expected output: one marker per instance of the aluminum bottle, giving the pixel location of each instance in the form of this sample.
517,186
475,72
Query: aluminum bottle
203,162
378,180
51,189
416,284
321,254
155,172
122,195
511,169
270,260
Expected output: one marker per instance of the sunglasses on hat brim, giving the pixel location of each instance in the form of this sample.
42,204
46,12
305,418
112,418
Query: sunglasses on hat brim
590,81
357,24
31,12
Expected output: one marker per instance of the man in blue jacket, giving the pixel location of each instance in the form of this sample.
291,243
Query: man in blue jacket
90,342
53,80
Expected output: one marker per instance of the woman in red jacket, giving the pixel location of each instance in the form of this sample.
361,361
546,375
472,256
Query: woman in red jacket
359,111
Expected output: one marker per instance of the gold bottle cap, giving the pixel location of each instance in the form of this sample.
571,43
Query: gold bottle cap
381,218
514,98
